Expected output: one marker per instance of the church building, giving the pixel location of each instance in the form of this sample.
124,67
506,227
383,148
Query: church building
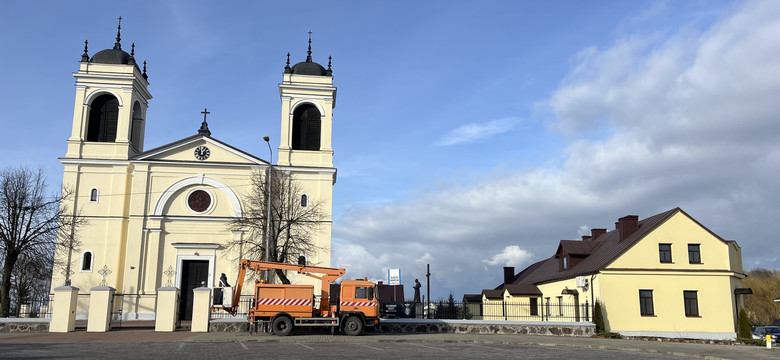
162,216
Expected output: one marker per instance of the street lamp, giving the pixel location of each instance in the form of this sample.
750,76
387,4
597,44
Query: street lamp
268,222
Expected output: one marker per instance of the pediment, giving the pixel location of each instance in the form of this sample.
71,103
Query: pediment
199,149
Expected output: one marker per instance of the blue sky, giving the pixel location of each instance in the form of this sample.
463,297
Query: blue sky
467,135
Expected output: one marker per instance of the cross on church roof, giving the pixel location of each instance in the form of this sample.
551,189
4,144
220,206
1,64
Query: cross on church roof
204,126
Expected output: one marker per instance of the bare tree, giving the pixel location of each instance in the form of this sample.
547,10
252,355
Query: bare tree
29,222
31,278
295,221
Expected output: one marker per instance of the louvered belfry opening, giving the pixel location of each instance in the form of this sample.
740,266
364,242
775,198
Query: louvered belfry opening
306,128
103,119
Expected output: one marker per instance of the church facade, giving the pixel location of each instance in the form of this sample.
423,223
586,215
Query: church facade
162,217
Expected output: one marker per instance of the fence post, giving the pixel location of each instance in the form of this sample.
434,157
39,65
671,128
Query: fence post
100,301
201,309
587,310
167,303
63,318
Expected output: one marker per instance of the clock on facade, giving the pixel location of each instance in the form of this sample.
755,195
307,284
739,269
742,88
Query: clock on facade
202,153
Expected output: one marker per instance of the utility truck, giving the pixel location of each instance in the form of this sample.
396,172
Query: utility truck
350,306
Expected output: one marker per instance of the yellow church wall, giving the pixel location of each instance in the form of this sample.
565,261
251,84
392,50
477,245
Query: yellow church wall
679,231
621,305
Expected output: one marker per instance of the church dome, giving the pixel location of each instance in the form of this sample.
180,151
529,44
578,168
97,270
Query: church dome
308,68
111,56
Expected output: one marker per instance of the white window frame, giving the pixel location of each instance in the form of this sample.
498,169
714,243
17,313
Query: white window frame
91,261
97,194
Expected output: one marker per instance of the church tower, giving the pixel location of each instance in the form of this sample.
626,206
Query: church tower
111,101
308,98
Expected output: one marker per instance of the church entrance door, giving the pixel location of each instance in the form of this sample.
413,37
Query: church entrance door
194,274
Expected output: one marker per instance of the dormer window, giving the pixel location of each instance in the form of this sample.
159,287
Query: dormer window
565,263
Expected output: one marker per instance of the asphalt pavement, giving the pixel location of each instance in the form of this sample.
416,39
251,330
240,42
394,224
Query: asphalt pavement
15,344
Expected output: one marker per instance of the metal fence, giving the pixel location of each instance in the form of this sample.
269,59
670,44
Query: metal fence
38,307
507,311
244,304
129,306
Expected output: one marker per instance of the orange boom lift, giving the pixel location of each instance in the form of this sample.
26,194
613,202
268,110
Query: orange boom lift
350,306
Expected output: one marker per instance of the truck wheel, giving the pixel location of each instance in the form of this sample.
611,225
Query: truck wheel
353,326
282,326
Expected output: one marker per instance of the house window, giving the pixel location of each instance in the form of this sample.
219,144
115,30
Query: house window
565,263
560,305
86,261
304,200
646,303
547,306
93,195
691,303
665,252
534,306
694,254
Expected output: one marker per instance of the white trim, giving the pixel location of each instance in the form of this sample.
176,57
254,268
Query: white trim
681,334
209,141
91,261
180,263
97,194
196,246
101,91
198,180
212,201
307,101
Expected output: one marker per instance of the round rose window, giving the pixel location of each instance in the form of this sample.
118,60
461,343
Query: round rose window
199,201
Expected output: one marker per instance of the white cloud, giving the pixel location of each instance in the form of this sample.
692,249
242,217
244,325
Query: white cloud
476,132
512,255
692,121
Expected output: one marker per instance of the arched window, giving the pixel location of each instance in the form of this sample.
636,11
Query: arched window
86,261
304,200
93,195
103,119
137,127
306,128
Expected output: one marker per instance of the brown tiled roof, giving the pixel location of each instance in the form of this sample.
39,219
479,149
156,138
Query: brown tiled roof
523,289
602,252
577,247
472,298
493,294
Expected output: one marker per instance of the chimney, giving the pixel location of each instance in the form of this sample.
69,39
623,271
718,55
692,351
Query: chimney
627,225
586,237
595,233
509,274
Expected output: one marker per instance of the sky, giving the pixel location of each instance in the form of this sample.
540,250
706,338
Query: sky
467,135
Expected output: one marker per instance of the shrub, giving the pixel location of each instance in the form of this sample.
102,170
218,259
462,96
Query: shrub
609,335
598,317
743,327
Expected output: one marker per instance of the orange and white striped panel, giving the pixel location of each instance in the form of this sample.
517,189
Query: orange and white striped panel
293,302
357,303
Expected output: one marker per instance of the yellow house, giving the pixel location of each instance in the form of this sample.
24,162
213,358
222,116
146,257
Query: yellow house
160,217
663,276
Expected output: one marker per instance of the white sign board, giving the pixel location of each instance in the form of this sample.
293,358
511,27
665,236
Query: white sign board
394,277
